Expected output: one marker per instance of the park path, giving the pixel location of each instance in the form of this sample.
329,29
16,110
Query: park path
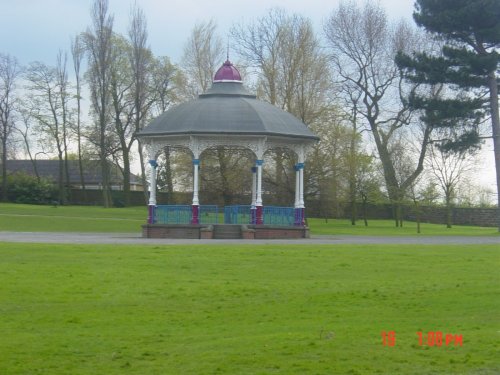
136,239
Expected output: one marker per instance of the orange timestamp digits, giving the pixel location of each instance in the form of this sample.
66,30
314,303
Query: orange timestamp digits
432,338
438,339
388,338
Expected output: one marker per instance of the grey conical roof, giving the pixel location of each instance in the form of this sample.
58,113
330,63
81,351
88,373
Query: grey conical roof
227,108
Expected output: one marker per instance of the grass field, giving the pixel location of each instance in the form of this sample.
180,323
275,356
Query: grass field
24,217
76,309
18,217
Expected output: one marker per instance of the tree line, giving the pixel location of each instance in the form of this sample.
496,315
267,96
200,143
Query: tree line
392,102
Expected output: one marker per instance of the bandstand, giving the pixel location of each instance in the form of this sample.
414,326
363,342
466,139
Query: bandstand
227,115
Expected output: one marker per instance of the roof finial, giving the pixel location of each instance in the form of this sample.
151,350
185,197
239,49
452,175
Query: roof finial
228,48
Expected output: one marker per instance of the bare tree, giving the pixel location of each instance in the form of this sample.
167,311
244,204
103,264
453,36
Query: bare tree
166,83
449,169
9,72
47,102
98,40
292,73
259,44
77,53
27,134
203,54
140,60
363,46
64,95
286,54
123,103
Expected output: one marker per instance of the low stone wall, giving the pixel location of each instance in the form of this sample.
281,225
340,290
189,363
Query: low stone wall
269,232
249,232
485,217
188,231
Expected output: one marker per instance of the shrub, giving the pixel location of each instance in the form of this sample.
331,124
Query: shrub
25,188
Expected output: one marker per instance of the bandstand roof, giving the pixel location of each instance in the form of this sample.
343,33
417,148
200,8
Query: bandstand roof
227,108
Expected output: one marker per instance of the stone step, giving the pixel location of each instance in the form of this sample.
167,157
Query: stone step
227,232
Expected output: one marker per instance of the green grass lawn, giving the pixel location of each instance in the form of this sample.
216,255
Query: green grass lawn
275,309
32,218
387,228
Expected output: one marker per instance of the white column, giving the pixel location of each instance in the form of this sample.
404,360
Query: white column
297,186
196,166
301,185
152,191
152,182
259,210
254,186
258,200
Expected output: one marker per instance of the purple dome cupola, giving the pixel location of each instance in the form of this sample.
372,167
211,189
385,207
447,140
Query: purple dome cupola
227,73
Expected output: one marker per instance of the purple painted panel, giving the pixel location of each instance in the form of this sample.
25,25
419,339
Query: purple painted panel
195,212
151,214
259,219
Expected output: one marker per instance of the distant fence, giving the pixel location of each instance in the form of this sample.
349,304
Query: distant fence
137,198
486,217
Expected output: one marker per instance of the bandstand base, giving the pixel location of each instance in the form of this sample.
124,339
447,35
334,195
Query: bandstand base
224,231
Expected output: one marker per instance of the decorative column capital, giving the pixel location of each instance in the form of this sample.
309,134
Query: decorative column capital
196,161
259,162
153,163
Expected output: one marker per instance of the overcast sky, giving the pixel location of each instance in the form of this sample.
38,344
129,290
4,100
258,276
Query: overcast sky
37,29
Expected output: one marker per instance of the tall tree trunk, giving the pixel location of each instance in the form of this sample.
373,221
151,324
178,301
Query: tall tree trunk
107,200
226,190
352,175
365,199
4,168
280,184
389,172
66,170
448,209
62,193
77,53
126,176
143,172
80,156
495,124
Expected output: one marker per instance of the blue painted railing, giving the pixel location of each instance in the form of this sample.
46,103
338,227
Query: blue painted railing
173,214
237,215
279,215
182,214
209,214
272,215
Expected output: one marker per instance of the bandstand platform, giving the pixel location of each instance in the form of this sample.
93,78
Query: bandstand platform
227,116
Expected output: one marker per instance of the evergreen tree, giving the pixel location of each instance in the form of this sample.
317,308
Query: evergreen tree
467,66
